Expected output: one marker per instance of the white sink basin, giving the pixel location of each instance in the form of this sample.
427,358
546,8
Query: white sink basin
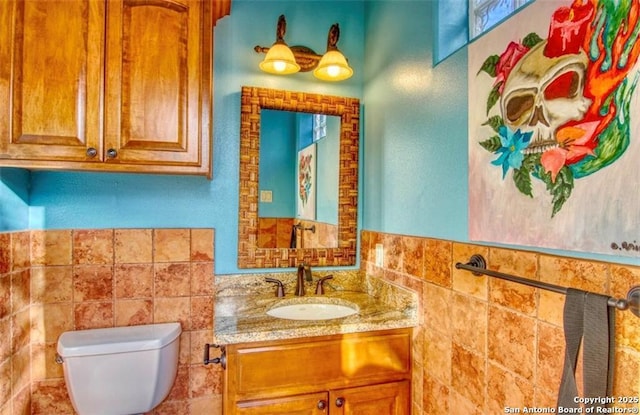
312,310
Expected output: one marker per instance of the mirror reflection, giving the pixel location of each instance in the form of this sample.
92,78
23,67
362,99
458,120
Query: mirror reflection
298,185
311,186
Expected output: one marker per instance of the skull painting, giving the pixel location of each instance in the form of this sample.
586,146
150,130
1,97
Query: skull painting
542,94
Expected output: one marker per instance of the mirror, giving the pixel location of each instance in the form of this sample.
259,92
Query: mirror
324,235
298,180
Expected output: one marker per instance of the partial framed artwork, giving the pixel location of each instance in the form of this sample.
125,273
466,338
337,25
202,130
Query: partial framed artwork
554,129
306,183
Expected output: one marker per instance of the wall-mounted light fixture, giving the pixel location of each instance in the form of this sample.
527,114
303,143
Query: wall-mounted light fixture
282,59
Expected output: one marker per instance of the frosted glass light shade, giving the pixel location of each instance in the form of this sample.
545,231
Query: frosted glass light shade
279,60
333,67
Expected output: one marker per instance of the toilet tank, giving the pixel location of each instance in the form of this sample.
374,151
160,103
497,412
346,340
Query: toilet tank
120,370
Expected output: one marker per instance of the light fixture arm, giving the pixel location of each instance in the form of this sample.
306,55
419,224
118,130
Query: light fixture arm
281,29
333,37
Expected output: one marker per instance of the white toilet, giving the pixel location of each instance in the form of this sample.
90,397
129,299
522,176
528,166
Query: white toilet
120,370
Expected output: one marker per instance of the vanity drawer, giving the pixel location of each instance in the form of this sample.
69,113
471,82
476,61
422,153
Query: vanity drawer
306,365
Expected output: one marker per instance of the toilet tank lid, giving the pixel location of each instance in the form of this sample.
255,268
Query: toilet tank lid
117,339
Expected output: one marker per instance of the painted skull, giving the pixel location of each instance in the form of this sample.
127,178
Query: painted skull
542,94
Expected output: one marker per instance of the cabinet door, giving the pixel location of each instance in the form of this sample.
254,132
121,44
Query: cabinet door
388,398
309,404
158,82
51,55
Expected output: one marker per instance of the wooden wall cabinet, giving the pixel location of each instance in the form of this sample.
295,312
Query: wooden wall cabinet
117,85
360,373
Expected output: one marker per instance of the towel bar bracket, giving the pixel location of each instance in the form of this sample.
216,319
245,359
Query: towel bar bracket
477,261
477,265
633,300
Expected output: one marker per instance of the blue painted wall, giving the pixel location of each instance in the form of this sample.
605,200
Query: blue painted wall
278,152
414,125
14,199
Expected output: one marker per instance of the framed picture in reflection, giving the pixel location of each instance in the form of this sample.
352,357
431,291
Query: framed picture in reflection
306,183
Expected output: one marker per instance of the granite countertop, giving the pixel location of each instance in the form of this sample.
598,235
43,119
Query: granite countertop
242,301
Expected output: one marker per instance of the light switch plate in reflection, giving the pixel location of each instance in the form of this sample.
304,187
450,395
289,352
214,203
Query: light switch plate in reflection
379,255
266,196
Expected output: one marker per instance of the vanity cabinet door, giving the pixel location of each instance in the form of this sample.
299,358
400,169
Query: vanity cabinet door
388,398
51,56
309,404
158,83
369,371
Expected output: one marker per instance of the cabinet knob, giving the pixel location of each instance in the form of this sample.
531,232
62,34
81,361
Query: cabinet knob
112,153
322,404
340,402
91,152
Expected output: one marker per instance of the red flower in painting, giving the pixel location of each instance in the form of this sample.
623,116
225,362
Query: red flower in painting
573,143
506,62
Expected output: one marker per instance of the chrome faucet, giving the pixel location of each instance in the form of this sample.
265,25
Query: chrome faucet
304,273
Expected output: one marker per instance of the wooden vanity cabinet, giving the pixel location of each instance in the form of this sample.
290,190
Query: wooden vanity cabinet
108,85
359,373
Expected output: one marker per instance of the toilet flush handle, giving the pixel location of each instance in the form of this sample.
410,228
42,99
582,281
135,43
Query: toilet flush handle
222,360
59,359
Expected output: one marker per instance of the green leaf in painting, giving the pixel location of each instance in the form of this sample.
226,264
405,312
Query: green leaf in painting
522,179
531,162
493,97
531,40
522,176
560,189
489,65
491,144
494,122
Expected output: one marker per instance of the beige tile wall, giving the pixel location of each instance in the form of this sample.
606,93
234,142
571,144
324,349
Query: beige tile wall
276,233
486,344
58,280
483,344
15,336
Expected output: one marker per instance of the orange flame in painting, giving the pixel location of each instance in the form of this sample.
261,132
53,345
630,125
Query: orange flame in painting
600,84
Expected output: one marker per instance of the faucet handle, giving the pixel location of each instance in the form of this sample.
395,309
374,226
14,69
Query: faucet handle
307,273
300,282
279,288
320,287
